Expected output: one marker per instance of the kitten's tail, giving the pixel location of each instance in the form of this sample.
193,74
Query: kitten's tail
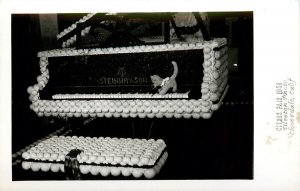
175,72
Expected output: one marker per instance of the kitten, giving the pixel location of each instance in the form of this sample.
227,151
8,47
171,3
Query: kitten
167,83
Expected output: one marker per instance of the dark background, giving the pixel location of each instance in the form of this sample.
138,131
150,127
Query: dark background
217,148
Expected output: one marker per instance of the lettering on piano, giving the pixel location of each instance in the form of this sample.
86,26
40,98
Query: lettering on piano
123,81
122,78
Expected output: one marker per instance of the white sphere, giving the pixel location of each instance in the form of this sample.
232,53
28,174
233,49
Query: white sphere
118,159
25,155
105,109
92,158
84,157
133,115
126,160
215,107
33,155
205,97
54,156
40,155
149,173
100,114
206,115
30,89
135,160
169,115
177,115
150,115
35,167
84,169
204,90
126,171
215,74
61,157
213,97
62,167
101,159
116,115
187,115
159,115
205,109
207,56
26,165
217,54
108,115
137,173
115,171
125,115
45,167
54,167
70,114
206,50
104,171
77,114
144,160
196,115
85,115
94,170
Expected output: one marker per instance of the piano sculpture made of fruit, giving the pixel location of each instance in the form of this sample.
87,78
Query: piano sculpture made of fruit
124,65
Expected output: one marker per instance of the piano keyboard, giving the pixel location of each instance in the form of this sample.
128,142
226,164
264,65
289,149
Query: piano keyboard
121,96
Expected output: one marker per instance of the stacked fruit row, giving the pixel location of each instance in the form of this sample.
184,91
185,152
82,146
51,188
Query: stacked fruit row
100,170
197,44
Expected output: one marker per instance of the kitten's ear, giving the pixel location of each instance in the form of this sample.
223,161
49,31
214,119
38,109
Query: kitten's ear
152,78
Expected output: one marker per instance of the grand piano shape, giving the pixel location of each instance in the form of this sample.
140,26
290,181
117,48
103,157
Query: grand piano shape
114,79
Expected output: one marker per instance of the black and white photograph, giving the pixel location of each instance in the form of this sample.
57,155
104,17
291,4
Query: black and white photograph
132,96
140,95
